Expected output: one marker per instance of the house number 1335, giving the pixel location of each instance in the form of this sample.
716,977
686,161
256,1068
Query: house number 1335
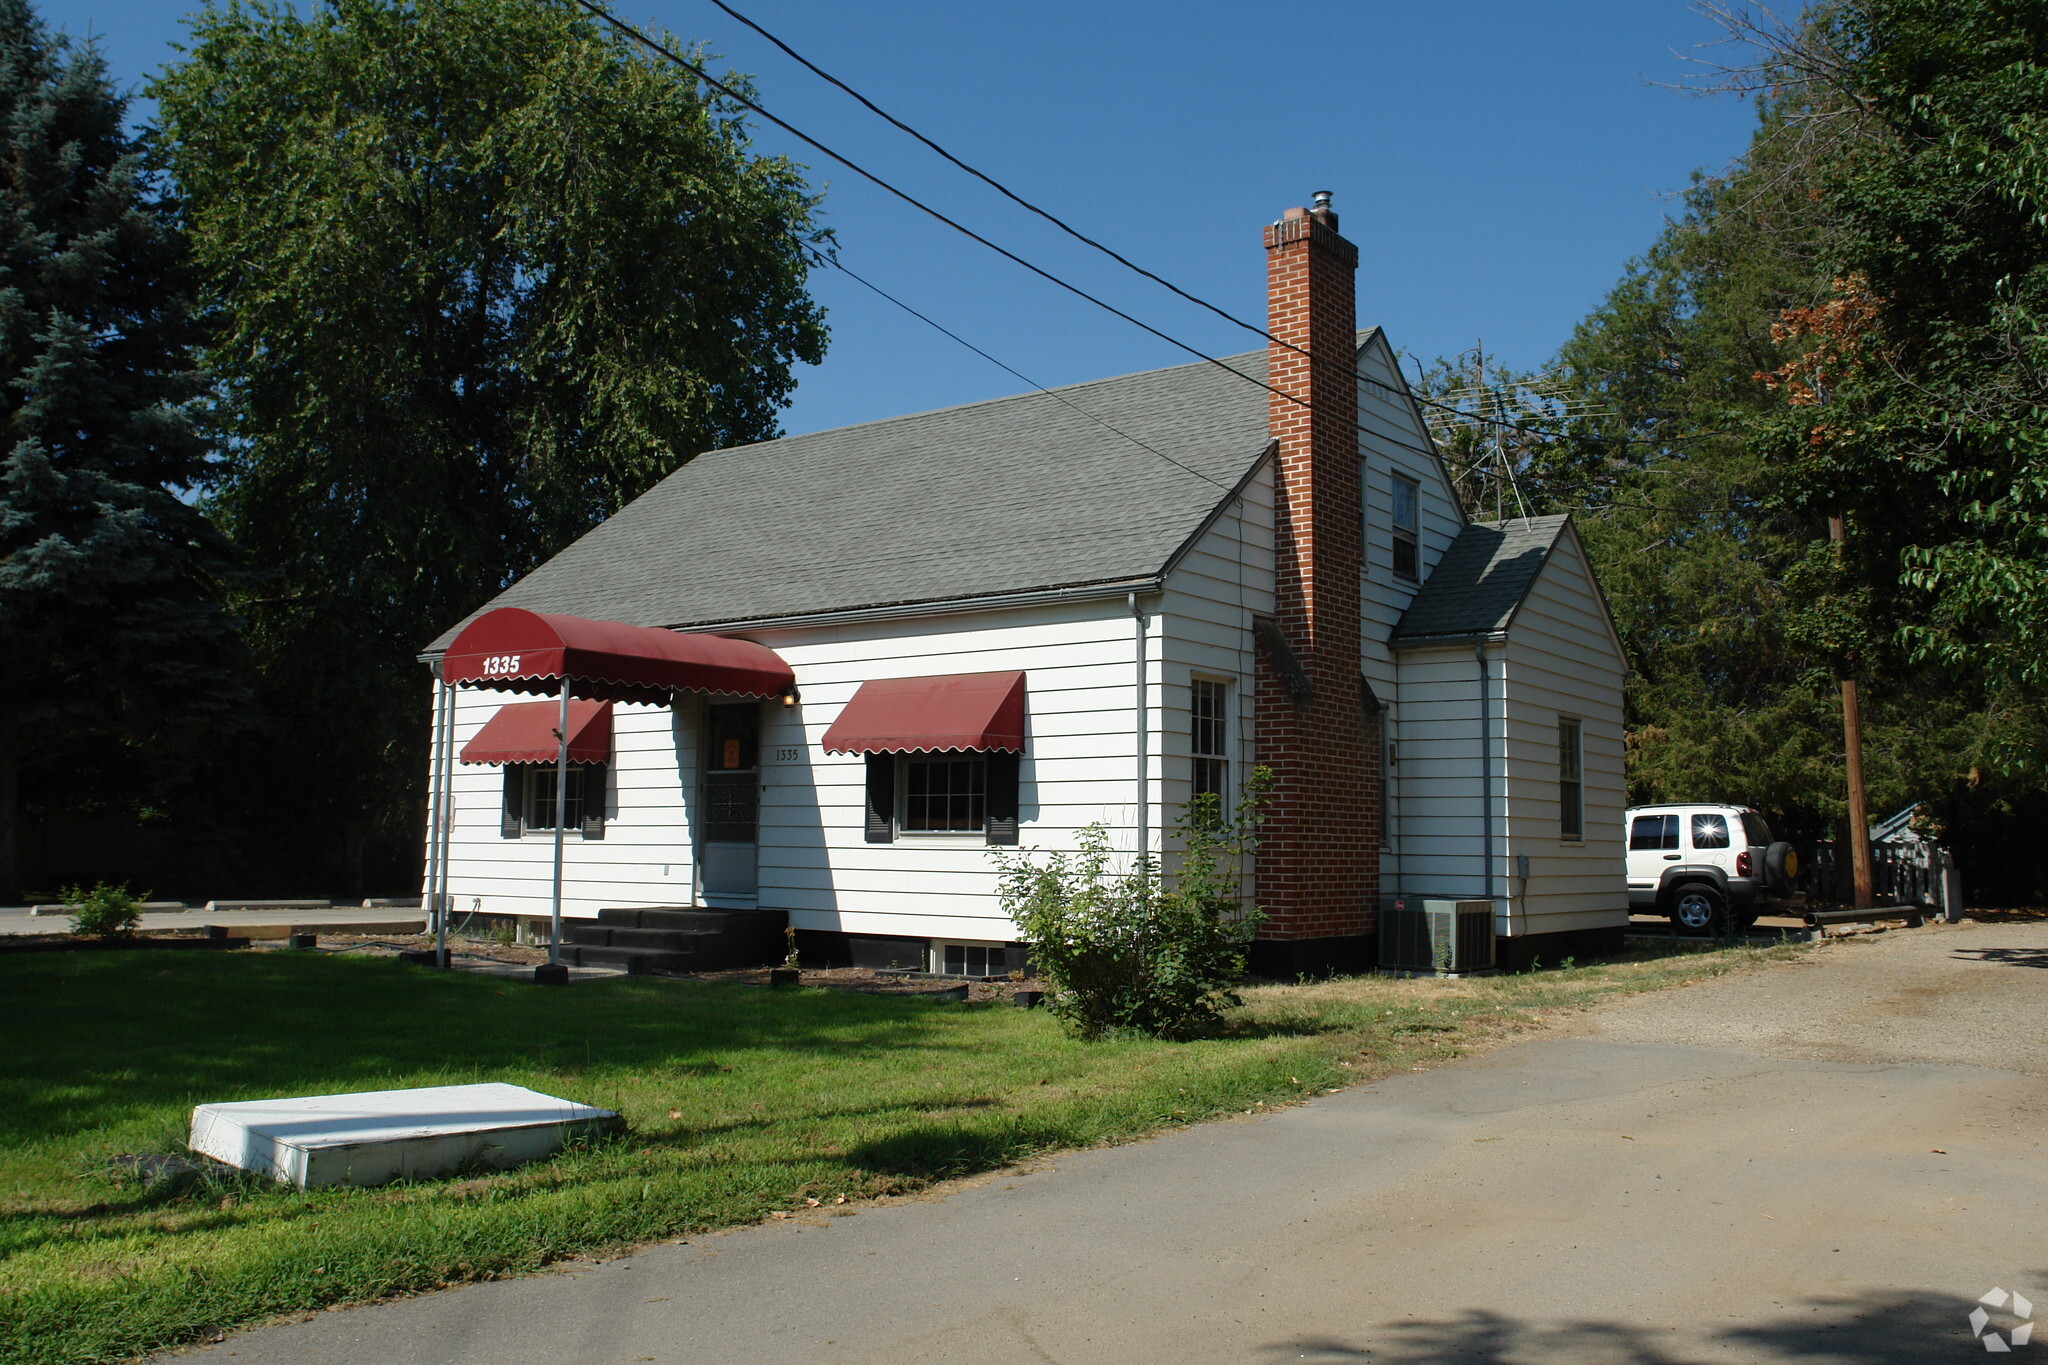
501,664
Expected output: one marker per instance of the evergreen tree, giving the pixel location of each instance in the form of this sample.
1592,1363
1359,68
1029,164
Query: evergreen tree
481,275
111,633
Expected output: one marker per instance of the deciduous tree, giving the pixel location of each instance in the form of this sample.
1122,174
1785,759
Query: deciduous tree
479,275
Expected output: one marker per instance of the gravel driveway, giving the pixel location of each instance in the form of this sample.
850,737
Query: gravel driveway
1825,1161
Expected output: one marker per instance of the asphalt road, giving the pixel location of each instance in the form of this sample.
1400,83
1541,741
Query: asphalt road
1826,1162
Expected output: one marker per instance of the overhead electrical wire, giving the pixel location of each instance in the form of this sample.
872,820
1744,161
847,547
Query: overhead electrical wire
605,16
744,102
1085,239
1053,394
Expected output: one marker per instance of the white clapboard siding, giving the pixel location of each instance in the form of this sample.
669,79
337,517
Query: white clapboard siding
1562,660
1392,439
1206,612
644,858
813,860
1435,787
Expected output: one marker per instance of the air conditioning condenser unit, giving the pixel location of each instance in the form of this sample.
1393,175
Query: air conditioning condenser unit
1437,937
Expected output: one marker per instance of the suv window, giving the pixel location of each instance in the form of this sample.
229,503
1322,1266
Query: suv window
1710,831
1754,830
1653,832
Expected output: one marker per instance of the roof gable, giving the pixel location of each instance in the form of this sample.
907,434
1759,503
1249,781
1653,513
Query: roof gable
1480,583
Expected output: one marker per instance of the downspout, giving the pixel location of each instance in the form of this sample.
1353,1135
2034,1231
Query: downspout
1485,772
1144,841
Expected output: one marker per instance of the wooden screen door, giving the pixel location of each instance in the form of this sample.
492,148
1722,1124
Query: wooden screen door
732,800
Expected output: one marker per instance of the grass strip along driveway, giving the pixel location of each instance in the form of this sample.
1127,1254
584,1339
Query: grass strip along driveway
740,1102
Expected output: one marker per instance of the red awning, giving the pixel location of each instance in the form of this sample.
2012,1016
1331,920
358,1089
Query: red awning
516,650
981,712
524,732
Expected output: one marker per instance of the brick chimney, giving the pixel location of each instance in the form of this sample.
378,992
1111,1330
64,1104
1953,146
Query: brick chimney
1318,862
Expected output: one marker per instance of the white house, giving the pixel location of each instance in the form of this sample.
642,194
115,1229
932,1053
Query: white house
818,677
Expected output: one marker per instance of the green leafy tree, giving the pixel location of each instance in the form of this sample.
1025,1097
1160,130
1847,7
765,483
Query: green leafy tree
479,275
1744,355
1914,397
114,650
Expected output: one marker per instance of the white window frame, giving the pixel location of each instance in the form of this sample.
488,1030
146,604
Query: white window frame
941,948
1405,536
1225,729
905,830
1571,780
532,776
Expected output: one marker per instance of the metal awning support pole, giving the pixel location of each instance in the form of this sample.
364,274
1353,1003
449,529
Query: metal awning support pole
443,897
437,881
561,817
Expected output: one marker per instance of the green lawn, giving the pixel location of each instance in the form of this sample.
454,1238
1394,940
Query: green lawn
741,1102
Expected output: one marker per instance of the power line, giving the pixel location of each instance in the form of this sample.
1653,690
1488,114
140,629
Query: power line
836,264
1402,391
1084,238
737,98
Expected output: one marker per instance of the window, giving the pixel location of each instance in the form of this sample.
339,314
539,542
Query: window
951,794
1710,831
529,806
945,795
1755,830
972,959
1571,782
1209,724
1654,833
1407,528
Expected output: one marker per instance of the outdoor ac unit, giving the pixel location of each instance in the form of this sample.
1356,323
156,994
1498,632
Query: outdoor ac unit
1449,938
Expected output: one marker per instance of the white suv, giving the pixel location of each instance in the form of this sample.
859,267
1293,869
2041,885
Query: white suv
1713,869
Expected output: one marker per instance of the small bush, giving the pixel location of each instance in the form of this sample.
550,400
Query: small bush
1137,951
105,911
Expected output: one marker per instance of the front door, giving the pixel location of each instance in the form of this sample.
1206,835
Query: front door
732,801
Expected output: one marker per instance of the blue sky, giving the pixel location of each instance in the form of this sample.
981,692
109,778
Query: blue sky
1497,163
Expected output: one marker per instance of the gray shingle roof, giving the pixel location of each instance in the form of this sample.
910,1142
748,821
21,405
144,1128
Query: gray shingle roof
1480,582
1010,495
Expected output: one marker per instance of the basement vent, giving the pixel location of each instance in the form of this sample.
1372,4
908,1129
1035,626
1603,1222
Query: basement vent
1449,938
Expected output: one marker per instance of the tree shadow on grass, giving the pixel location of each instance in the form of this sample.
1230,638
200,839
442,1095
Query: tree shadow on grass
125,1033
1877,1328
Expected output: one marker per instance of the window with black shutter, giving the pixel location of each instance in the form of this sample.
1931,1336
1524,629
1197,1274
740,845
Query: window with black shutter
529,800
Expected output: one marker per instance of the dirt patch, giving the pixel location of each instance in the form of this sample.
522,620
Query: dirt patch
859,979
868,982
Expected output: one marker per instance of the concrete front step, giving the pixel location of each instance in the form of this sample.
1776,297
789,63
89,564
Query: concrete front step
685,917
609,936
631,959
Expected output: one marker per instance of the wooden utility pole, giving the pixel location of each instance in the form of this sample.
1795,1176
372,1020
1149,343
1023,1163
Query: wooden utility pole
1852,742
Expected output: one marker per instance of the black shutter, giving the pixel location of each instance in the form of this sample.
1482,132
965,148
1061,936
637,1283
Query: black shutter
1002,798
594,799
881,798
515,802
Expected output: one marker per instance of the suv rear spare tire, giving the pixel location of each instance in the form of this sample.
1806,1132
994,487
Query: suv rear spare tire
1781,868
1699,908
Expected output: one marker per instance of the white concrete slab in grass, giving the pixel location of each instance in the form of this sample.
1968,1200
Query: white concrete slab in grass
377,1136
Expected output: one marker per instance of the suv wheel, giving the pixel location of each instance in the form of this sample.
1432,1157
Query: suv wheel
1698,908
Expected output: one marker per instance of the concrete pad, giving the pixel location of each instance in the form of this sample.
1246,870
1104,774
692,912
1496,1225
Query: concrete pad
377,1136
